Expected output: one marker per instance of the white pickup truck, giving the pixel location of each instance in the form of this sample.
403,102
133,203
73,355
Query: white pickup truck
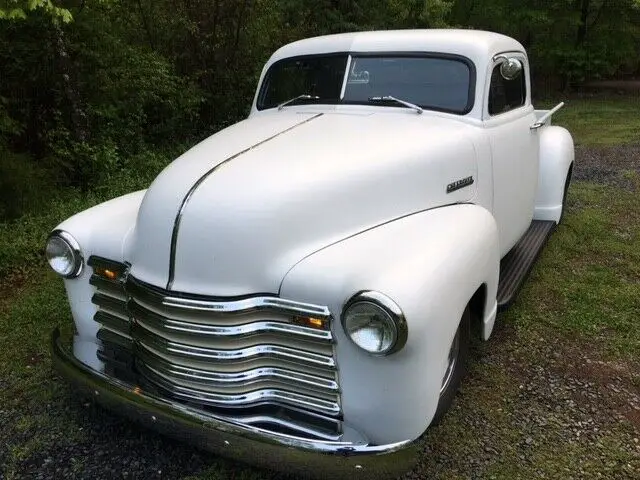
299,289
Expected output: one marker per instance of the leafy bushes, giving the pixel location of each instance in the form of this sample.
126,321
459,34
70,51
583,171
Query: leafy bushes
569,41
23,186
41,208
22,240
80,100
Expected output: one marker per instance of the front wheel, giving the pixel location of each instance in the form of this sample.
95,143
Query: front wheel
456,366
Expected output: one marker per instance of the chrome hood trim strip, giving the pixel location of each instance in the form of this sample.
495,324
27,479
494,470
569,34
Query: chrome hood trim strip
185,200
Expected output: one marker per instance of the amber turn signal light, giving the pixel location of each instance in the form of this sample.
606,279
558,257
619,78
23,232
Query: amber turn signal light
310,322
106,273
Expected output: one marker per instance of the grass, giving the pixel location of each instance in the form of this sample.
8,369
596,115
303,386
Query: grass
586,282
520,413
600,120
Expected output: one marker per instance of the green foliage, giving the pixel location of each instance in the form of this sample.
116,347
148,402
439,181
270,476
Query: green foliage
8,126
133,94
329,16
18,10
23,186
574,40
81,99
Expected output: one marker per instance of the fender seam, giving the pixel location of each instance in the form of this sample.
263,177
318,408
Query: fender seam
368,229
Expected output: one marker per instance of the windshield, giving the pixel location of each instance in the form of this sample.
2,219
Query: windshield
320,76
432,82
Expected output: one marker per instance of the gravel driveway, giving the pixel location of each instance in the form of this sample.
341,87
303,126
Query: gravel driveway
607,165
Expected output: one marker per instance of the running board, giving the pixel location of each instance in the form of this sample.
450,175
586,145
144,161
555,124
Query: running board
516,265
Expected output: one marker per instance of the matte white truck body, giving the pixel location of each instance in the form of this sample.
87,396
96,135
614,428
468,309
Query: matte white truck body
316,202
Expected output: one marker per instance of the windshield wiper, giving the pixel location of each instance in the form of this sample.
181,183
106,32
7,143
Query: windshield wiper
299,97
389,98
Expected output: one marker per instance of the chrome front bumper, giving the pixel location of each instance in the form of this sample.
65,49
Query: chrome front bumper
276,451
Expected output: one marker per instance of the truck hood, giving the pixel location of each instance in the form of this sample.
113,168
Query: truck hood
236,212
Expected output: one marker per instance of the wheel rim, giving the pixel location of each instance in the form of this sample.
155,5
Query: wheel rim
451,366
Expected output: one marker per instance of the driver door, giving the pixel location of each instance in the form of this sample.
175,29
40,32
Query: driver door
508,114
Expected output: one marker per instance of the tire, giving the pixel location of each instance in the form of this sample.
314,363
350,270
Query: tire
564,195
453,377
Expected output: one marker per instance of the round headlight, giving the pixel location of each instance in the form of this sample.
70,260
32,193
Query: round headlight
63,254
375,323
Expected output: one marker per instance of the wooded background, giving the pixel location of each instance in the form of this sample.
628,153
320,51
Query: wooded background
99,95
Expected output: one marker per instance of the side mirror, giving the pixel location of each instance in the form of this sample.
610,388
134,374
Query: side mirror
511,68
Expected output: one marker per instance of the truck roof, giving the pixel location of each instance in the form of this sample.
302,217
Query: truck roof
477,45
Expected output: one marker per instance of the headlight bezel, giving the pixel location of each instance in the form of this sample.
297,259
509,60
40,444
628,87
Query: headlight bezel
390,308
74,248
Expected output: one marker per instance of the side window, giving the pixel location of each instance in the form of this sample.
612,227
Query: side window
505,95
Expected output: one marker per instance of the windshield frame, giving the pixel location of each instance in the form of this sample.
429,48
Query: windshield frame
381,54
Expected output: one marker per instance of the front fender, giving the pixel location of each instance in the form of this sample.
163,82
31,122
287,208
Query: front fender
430,263
101,230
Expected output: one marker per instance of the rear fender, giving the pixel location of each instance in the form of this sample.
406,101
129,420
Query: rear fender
556,157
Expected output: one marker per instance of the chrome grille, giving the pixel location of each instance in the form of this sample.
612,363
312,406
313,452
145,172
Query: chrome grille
235,355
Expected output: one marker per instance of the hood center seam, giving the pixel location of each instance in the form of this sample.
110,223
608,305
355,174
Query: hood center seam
194,187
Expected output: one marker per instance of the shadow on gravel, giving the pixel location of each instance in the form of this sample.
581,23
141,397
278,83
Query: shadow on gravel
93,444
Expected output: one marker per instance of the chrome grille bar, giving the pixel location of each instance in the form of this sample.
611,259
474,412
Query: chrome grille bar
259,420
250,304
157,343
216,379
112,322
169,325
255,397
114,305
150,295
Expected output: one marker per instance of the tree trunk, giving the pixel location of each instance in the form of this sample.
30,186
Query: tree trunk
145,24
581,36
79,124
241,18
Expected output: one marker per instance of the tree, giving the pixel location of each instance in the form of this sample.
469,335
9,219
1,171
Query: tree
573,40
18,9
